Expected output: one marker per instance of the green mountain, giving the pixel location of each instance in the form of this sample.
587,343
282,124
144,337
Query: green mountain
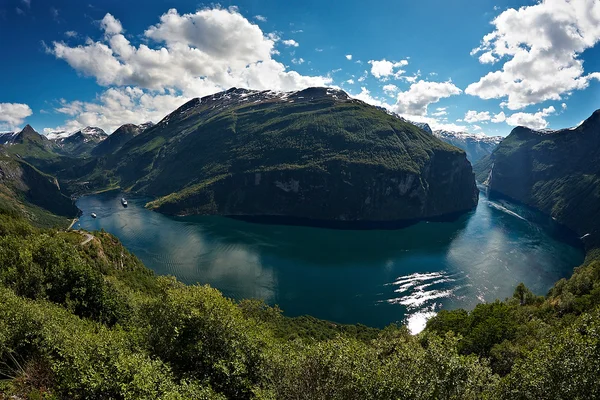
25,191
118,138
557,172
315,154
30,146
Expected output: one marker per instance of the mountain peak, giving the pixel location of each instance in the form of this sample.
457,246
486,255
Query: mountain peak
28,129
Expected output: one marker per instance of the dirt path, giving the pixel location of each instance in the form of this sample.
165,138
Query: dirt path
88,238
72,223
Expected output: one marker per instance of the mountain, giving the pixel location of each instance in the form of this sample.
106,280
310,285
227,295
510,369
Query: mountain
423,126
476,146
28,192
557,172
315,154
119,137
30,146
79,143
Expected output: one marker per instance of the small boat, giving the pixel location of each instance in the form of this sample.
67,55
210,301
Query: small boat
124,202
94,215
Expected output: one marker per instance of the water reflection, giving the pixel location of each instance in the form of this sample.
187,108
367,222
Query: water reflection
372,277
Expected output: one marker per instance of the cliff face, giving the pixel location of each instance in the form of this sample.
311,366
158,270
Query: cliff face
557,172
31,193
336,192
314,154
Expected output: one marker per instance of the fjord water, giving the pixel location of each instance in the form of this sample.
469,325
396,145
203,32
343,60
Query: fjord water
373,277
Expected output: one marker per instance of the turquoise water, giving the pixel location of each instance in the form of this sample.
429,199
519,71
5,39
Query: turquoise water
374,277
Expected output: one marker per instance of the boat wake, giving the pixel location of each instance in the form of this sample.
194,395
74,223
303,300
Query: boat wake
504,210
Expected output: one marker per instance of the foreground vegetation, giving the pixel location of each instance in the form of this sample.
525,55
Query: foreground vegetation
90,321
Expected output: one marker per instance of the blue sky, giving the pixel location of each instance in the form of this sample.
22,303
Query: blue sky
478,66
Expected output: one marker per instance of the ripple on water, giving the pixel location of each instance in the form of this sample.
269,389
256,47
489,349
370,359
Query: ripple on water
421,294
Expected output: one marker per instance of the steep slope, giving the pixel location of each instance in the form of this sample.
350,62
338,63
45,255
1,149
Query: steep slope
30,146
314,154
118,138
26,191
476,146
557,172
79,143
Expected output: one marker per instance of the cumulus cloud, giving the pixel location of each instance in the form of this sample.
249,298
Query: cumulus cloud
390,89
383,69
532,120
421,94
500,117
298,61
187,55
71,34
13,114
350,81
348,57
290,43
198,54
540,46
115,107
435,121
365,95
260,18
474,116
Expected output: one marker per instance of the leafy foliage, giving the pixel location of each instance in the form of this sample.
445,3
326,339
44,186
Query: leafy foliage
92,322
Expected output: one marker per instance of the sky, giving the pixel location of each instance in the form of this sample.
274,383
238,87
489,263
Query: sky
481,66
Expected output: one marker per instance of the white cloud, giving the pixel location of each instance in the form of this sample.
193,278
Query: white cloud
115,107
197,54
532,120
540,46
187,55
474,116
390,90
13,114
348,57
350,81
440,112
110,25
260,18
383,69
291,43
500,117
363,76
71,34
476,127
298,60
365,95
564,106
421,94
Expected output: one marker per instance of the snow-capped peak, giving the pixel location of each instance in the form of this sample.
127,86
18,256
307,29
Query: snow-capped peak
480,137
88,131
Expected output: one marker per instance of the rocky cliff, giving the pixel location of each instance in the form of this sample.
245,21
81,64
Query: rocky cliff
557,172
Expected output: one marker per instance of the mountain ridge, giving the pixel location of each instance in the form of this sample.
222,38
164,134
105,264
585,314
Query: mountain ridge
555,171
223,153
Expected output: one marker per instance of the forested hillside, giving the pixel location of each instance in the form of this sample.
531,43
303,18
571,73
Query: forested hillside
90,321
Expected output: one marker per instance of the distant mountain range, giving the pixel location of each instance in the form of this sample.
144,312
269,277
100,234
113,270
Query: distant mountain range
476,146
